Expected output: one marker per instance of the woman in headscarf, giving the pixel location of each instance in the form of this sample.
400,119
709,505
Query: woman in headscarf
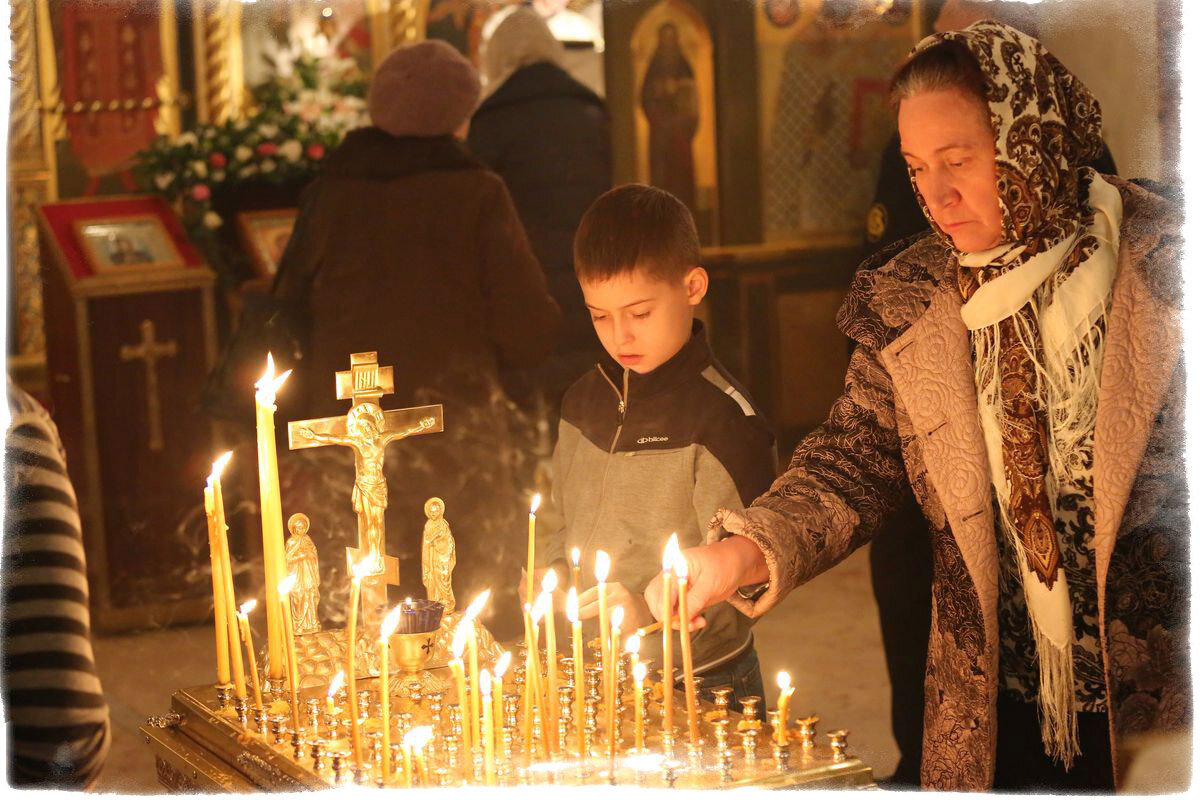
1020,367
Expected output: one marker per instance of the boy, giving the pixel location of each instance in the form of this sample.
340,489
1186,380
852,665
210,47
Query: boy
657,437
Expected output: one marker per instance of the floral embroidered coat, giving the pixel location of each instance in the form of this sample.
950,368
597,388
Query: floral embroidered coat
909,412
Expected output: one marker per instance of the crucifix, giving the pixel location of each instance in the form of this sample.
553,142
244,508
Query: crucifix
148,351
367,430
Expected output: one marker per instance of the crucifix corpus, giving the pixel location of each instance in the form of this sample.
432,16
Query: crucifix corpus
367,429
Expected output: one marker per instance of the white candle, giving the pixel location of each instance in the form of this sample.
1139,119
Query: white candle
618,616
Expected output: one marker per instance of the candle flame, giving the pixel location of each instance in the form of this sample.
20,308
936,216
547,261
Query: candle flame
477,605
575,556
670,553
390,622
633,644
639,671
572,605
485,683
502,664
550,581
270,384
408,601
460,638
248,606
603,562
335,685
680,566
535,504
540,608
618,616
417,738
287,584
783,681
361,569
219,466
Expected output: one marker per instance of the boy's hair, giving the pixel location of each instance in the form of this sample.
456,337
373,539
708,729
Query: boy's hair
636,226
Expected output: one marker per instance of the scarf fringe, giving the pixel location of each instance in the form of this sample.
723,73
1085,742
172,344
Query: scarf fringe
1056,699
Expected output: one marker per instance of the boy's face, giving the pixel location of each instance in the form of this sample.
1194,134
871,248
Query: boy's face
642,320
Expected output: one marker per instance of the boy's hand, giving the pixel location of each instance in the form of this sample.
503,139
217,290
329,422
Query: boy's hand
715,571
615,594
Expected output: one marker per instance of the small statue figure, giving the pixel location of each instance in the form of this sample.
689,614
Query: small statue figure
366,435
301,557
437,555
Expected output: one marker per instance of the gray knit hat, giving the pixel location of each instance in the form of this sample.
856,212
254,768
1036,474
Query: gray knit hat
423,89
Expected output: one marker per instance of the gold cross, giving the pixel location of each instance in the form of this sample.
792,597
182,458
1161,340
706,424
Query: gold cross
149,351
363,384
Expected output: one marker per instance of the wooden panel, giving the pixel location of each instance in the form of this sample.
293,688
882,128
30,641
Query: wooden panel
813,355
146,491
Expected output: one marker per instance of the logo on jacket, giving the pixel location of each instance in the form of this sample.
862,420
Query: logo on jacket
652,439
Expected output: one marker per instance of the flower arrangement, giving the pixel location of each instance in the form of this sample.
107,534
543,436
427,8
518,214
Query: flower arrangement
299,118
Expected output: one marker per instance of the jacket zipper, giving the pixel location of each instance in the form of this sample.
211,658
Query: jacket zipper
622,406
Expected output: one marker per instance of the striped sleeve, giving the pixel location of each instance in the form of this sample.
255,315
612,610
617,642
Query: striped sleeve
55,712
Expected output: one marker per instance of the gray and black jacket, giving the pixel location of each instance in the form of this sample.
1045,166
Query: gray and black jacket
640,457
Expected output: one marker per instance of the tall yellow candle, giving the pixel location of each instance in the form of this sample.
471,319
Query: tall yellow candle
501,667
248,641
406,748
602,567
219,614
473,649
577,655
230,604
685,645
285,592
639,711
335,686
271,510
489,733
784,681
533,507
457,670
385,695
575,569
618,616
549,583
359,572
668,637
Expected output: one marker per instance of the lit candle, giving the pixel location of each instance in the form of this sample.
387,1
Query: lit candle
271,511
639,712
406,747
668,670
575,569
334,686
685,645
360,571
417,739
385,633
502,664
219,614
618,616
473,648
533,507
602,566
229,607
577,653
784,681
456,670
533,681
489,733
549,583
633,646
248,641
285,590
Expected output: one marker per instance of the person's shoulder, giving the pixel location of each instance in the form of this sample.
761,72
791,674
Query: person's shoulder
1152,235
893,288
579,401
728,410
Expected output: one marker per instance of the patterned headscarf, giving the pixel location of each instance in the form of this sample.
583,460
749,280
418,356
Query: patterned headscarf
1047,129
1038,408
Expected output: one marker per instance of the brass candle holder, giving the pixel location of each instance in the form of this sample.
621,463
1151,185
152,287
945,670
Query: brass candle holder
412,650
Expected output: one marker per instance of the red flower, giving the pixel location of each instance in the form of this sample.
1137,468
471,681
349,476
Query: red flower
217,160
201,192
316,151
267,149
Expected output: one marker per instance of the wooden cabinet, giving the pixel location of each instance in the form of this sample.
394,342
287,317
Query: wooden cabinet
128,346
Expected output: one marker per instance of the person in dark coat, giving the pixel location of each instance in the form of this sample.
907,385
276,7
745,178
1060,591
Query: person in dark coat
407,245
547,136
901,559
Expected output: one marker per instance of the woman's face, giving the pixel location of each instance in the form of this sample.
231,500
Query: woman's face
947,141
